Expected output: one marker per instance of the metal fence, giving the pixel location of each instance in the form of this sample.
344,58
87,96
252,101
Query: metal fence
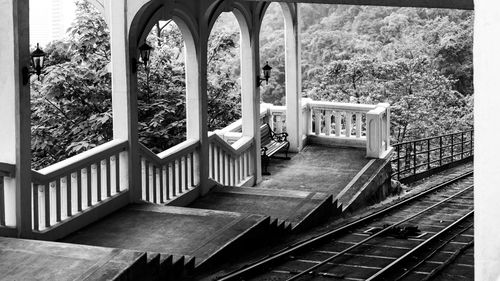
416,159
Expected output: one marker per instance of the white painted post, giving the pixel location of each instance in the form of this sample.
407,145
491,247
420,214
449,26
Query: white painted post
292,75
328,122
358,124
197,103
374,132
317,122
250,92
15,141
124,101
305,122
338,123
279,123
348,120
386,125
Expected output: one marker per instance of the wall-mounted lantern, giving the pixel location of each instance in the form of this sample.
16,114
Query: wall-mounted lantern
145,51
266,70
37,62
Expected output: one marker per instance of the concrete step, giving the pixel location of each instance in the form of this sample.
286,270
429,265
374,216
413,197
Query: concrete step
22,259
293,206
176,239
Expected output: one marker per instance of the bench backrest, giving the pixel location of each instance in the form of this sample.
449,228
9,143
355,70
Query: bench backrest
265,134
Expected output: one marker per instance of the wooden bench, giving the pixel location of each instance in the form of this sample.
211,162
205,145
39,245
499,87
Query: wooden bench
270,144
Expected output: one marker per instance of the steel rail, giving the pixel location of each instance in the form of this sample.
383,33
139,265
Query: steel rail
443,244
448,261
436,236
264,262
382,231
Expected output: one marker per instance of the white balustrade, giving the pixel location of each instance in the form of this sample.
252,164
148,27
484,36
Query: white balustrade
68,188
329,123
7,215
339,119
170,173
345,124
230,164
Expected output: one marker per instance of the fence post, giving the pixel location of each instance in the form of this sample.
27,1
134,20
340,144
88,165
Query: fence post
462,146
428,154
440,150
399,164
452,144
414,158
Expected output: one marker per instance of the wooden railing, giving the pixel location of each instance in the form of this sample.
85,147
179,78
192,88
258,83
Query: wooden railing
68,188
230,164
414,158
169,174
7,172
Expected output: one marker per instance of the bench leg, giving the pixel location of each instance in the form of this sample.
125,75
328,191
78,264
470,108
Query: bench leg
265,163
286,152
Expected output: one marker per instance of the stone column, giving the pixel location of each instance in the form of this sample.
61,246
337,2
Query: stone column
15,140
124,101
293,76
197,105
250,94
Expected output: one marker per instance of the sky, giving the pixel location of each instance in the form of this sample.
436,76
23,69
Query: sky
49,20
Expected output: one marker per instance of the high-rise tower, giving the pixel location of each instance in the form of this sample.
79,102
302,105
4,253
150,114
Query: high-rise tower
50,19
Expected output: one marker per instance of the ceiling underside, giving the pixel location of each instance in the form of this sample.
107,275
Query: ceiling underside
448,4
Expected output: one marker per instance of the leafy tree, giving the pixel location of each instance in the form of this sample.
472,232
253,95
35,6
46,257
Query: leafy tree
162,94
71,109
419,60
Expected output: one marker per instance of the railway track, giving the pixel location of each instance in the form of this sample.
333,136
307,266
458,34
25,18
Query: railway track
414,239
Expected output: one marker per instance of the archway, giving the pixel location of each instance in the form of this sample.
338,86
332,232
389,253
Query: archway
224,72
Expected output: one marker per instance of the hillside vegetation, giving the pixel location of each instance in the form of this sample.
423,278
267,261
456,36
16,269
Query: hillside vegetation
418,60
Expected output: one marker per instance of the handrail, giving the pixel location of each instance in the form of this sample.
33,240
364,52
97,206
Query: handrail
82,159
236,148
64,190
418,158
236,125
168,174
325,105
7,170
430,138
230,164
172,153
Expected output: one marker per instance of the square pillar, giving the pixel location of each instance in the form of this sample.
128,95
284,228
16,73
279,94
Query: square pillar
15,131
124,101
250,93
293,78
197,104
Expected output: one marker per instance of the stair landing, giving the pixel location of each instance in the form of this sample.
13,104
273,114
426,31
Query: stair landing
182,232
292,206
22,259
316,169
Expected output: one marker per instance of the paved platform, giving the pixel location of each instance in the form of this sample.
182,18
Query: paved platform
312,184
168,230
316,169
22,259
298,194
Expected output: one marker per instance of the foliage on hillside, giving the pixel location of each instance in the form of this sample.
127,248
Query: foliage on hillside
419,60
